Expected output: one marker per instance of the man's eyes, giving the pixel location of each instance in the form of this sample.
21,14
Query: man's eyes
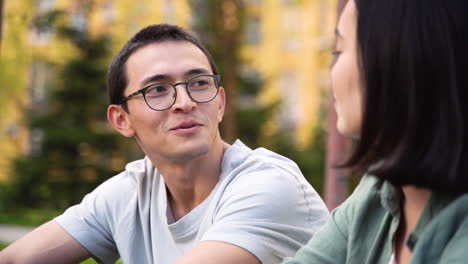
199,83
157,89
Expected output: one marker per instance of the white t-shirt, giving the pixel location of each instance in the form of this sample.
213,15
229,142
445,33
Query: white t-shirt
262,203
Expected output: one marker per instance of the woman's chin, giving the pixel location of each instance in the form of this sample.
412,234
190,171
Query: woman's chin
346,130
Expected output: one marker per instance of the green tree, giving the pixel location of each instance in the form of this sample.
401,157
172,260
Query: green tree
74,150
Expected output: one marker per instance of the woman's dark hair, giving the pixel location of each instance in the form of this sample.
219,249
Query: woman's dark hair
117,76
414,61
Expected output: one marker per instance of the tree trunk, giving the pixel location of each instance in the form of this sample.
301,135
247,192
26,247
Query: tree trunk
219,23
230,19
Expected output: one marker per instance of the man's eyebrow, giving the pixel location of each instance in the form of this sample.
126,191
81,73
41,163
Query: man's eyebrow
154,78
196,71
160,77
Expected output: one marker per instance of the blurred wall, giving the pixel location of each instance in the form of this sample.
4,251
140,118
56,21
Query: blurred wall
289,43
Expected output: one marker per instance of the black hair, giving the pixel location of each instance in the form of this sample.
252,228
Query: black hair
414,63
117,76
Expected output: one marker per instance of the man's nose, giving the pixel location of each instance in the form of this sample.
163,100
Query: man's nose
183,101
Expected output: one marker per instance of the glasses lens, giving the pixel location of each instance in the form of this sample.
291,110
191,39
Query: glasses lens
160,96
202,88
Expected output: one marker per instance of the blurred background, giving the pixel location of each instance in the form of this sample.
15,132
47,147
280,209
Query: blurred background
55,143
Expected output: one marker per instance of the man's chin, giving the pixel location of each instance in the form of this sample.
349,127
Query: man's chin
189,153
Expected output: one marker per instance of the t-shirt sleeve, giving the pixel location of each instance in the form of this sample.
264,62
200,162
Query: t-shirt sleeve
330,244
269,211
91,222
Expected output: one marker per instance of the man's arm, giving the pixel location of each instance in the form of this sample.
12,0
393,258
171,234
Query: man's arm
49,243
214,252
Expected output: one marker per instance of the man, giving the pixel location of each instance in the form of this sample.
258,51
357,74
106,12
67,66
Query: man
193,198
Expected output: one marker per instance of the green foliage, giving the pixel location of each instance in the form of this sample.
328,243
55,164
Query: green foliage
310,160
43,22
28,217
3,245
74,146
91,261
250,121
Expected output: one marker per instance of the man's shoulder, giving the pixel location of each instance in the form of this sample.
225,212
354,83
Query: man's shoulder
117,197
269,166
268,174
248,160
137,170
135,173
139,167
267,191
268,157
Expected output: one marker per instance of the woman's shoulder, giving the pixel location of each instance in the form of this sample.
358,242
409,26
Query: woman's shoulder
446,236
368,188
370,200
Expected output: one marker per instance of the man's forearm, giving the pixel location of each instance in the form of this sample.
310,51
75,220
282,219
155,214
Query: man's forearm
48,244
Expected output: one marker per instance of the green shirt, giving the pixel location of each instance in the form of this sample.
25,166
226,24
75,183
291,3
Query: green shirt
362,229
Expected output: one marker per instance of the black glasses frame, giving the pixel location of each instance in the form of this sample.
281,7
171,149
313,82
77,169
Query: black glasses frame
143,91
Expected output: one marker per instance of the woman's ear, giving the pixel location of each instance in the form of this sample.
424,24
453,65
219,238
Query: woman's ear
118,118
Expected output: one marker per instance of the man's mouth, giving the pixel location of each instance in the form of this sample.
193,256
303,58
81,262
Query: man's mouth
186,125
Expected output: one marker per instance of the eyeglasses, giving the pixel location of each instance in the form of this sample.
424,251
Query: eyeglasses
162,96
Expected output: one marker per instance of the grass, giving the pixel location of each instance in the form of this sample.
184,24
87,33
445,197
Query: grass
28,217
2,246
91,261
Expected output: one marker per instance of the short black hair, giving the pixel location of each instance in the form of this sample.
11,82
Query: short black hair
414,62
117,76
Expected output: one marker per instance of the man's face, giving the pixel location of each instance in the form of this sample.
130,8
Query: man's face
186,130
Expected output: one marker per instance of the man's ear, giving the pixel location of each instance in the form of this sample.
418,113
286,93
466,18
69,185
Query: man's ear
222,104
118,118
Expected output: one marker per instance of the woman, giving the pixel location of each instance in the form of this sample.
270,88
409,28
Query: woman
400,81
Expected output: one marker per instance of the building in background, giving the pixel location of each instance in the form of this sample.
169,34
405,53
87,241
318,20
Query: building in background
287,43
